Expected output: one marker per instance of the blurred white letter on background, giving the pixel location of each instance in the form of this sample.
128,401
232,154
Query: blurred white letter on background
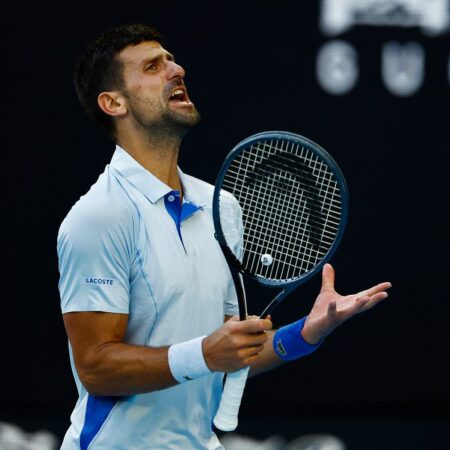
337,67
403,67
338,16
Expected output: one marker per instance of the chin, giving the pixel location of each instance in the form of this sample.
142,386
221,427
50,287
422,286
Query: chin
187,119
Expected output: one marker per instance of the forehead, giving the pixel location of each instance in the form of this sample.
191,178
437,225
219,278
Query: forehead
135,54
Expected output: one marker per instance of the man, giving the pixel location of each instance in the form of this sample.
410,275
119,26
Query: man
147,298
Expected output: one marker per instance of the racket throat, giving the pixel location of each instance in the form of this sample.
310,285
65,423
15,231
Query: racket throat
242,298
274,303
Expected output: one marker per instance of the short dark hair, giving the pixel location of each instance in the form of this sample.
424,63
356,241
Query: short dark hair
100,70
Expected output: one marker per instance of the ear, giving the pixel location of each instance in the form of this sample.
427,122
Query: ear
112,103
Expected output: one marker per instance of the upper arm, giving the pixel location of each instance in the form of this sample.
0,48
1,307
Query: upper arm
89,332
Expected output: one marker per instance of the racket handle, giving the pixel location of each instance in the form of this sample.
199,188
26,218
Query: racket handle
227,416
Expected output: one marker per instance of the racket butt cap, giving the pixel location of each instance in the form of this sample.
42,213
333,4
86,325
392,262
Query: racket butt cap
223,424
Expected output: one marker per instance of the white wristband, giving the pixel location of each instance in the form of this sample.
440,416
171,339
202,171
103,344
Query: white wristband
186,360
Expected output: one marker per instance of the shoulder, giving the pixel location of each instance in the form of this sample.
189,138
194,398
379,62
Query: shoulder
104,208
205,192
202,188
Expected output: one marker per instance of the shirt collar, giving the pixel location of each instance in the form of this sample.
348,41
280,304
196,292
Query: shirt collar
152,187
190,193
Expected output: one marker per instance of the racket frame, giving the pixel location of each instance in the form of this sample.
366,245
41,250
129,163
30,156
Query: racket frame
291,284
226,418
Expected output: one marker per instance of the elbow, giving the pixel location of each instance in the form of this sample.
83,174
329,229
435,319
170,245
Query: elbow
92,381
95,371
93,376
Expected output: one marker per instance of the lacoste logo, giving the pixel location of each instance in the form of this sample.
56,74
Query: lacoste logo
99,281
281,350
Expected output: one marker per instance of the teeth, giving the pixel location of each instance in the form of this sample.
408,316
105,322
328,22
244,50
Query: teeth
177,92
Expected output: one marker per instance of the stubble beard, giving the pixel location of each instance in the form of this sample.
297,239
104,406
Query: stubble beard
157,119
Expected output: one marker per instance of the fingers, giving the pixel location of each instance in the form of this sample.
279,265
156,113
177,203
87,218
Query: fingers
327,278
355,304
375,289
367,303
367,299
253,325
235,344
268,317
234,318
248,352
247,333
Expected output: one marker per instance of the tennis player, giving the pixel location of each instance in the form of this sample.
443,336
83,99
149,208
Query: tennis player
147,298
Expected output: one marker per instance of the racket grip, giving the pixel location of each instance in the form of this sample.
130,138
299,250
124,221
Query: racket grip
227,415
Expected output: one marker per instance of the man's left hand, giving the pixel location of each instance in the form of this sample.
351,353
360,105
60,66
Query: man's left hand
332,309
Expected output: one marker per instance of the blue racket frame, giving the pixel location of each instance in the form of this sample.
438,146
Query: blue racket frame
233,262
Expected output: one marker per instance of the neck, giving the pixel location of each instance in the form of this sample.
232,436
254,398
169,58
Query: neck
157,154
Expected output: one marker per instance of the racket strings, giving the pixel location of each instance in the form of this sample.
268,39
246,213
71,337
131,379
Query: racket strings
291,208
233,177
267,242
294,248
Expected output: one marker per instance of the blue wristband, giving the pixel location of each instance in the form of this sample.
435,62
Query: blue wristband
289,344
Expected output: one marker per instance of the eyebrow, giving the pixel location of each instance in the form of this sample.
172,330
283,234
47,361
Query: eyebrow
159,56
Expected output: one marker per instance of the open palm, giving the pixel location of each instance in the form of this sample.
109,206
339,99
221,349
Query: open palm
332,309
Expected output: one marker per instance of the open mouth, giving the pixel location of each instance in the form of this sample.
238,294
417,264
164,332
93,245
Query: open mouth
179,95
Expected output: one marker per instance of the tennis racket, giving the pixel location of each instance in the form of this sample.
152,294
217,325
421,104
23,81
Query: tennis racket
280,207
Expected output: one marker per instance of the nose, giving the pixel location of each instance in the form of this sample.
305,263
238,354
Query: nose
175,70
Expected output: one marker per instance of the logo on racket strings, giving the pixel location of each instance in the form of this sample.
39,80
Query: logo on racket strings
269,172
266,260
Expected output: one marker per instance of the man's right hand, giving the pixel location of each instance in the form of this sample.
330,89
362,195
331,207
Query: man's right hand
236,344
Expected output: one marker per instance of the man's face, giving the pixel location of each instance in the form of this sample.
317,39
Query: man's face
154,89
